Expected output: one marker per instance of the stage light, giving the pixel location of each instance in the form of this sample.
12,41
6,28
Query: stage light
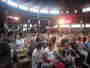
61,21
61,12
35,10
12,4
4,0
44,10
66,19
25,26
24,29
31,9
16,18
67,12
82,25
75,11
55,26
30,25
23,7
54,12
12,17
76,25
87,25
86,9
64,26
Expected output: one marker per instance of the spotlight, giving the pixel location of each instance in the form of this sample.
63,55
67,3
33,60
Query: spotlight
86,9
23,7
75,11
12,17
76,26
13,4
45,11
67,12
54,12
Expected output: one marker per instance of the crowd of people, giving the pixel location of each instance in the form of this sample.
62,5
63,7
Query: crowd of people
61,51
52,50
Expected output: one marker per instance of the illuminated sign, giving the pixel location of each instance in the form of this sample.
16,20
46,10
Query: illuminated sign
36,28
18,27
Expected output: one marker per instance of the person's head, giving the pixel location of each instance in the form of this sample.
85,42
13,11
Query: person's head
37,39
51,42
59,45
83,39
52,39
65,42
74,45
18,36
39,46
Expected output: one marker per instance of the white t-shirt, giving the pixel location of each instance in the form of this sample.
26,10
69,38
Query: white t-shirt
50,54
36,57
20,43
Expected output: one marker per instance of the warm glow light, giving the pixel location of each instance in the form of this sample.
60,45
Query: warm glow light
16,18
68,21
61,21
55,26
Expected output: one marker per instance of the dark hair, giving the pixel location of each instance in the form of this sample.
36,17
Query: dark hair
63,41
37,39
10,33
39,45
79,38
20,34
52,40
84,39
